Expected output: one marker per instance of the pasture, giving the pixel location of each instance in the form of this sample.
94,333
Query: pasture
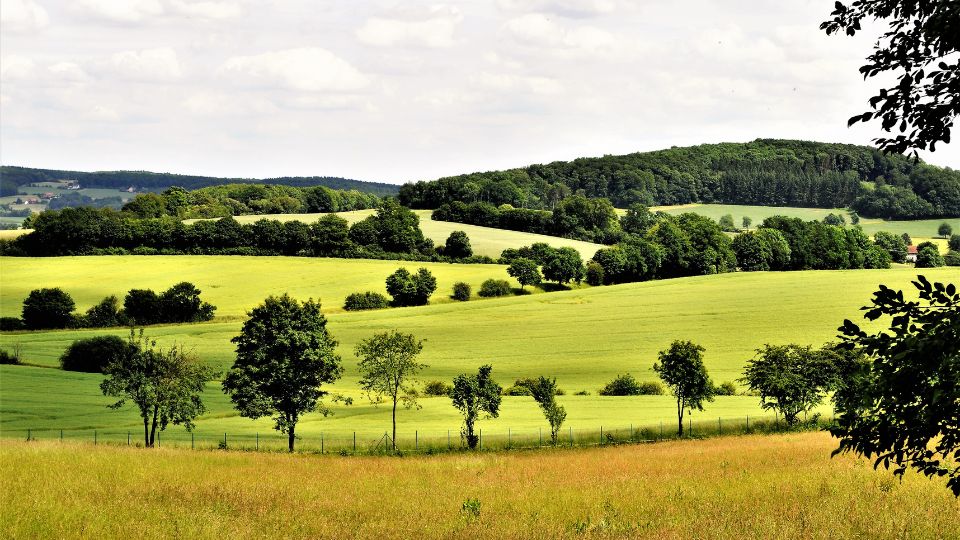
584,337
779,486
919,230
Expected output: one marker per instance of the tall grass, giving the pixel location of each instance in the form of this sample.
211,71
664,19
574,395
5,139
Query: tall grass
780,486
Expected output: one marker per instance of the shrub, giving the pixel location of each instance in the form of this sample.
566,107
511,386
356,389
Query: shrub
521,387
726,389
952,258
581,393
437,388
92,355
142,306
411,289
954,243
461,291
594,274
48,308
495,287
928,256
11,323
622,385
106,313
365,300
181,303
652,388
7,357
458,246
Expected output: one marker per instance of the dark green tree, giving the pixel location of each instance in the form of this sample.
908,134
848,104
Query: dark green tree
181,303
563,266
753,253
106,313
411,289
47,308
893,244
458,246
93,355
928,256
747,221
474,395
525,271
330,236
789,379
726,223
681,368
284,354
388,367
901,407
945,230
142,306
637,220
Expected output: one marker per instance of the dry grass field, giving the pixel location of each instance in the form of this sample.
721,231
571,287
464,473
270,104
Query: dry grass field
782,486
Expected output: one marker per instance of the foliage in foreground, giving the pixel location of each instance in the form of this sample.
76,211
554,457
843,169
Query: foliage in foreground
902,407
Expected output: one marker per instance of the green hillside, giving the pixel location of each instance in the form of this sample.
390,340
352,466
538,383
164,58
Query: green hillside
583,337
762,172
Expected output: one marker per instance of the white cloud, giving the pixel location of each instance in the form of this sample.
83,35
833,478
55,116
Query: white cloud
309,69
435,31
157,65
124,11
539,30
68,71
567,8
23,15
206,9
16,68
510,83
228,104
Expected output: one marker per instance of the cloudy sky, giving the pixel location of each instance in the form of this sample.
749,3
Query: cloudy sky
397,91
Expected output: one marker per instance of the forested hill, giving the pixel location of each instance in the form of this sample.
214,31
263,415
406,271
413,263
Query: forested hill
762,172
159,181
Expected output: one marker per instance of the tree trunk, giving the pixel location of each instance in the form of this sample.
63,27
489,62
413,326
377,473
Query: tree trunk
291,437
680,418
146,431
153,428
394,440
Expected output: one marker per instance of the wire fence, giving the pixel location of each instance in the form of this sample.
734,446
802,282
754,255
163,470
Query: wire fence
426,441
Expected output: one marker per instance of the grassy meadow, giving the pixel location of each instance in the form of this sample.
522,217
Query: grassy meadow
775,486
919,230
584,337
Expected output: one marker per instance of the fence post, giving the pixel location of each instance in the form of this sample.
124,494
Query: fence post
354,442
748,422
416,439
28,434
540,435
719,426
258,441
661,430
94,437
631,431
191,440
601,435
448,439
480,439
321,442
224,439
690,425
571,436
128,438
61,435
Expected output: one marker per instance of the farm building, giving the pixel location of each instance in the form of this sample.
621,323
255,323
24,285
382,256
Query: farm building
912,254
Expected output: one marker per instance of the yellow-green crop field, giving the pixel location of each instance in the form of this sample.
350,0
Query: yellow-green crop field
583,337
774,486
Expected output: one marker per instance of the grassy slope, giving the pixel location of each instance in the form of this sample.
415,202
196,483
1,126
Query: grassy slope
583,337
783,486
918,229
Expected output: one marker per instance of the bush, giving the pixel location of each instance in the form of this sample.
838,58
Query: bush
411,289
726,389
181,303
627,385
142,306
458,246
594,274
106,313
11,323
437,388
92,355
495,287
461,291
582,393
365,300
48,308
7,357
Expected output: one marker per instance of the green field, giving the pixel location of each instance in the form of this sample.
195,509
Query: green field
485,240
775,486
918,229
584,337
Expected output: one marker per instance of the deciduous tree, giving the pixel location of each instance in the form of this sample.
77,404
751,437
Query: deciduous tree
681,368
284,355
474,395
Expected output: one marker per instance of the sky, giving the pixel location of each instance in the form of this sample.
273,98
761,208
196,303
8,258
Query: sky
397,91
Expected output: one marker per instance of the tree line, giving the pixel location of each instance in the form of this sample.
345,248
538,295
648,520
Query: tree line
246,199
393,232
53,308
11,177
763,172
